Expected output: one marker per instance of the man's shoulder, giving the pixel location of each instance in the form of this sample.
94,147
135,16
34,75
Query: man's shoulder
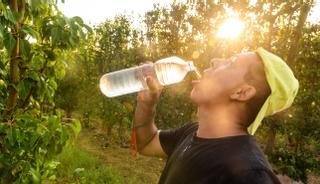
249,152
169,139
250,165
185,130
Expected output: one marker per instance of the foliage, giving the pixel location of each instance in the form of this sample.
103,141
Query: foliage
300,153
116,45
34,37
295,164
30,143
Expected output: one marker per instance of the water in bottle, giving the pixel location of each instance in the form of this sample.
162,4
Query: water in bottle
167,71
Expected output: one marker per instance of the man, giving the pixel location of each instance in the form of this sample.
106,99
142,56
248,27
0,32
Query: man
232,97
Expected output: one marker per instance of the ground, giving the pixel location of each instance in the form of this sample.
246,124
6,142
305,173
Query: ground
144,169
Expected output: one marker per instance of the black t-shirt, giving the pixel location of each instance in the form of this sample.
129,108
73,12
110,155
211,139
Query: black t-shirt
191,159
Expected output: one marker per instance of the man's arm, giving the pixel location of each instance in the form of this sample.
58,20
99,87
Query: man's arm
146,130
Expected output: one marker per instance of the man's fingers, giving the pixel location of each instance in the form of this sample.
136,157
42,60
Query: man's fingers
150,77
152,84
146,62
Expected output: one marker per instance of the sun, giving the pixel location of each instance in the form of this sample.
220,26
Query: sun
230,28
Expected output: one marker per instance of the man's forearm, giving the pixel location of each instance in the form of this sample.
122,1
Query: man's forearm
144,124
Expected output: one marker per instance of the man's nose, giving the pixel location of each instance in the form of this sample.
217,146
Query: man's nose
214,63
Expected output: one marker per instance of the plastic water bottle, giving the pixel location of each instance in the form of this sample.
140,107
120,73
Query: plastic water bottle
167,71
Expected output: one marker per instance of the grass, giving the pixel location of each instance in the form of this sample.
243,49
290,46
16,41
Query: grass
97,157
78,166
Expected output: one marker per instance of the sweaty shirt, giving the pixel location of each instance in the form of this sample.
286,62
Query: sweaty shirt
227,160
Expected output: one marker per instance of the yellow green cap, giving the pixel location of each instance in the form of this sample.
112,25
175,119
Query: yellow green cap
284,87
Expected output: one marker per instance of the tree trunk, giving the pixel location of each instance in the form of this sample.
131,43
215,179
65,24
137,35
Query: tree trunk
109,130
271,137
15,57
272,19
293,51
69,113
14,78
121,133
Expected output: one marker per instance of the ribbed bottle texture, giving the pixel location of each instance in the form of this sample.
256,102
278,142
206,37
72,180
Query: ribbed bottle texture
168,71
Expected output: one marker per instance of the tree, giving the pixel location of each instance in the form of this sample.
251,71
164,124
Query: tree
34,36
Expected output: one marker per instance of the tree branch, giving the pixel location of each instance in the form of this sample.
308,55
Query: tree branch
298,33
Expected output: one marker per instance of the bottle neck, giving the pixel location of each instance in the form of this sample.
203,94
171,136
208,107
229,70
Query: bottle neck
192,68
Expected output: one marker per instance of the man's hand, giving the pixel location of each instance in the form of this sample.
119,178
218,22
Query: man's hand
150,97
146,130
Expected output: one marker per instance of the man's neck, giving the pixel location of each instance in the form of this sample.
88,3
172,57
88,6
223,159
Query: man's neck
216,122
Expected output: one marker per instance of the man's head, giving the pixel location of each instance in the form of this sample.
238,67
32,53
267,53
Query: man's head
239,82
258,83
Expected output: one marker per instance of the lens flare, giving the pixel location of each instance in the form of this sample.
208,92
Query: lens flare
231,28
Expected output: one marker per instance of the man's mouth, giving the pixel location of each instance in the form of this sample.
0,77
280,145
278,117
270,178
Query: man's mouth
195,82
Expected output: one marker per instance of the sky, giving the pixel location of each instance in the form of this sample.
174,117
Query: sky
94,12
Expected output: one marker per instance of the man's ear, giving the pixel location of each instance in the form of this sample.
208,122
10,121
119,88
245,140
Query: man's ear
244,93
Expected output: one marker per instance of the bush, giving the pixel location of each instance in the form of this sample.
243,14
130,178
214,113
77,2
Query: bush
297,165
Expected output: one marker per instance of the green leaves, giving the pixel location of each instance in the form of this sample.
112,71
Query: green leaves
65,32
24,88
28,30
1,31
59,70
32,134
53,84
26,118
76,127
2,127
37,61
50,55
36,176
35,4
9,42
25,48
34,76
78,20
11,136
10,15
56,35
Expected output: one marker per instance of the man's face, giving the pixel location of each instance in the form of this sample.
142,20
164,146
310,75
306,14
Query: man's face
221,79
